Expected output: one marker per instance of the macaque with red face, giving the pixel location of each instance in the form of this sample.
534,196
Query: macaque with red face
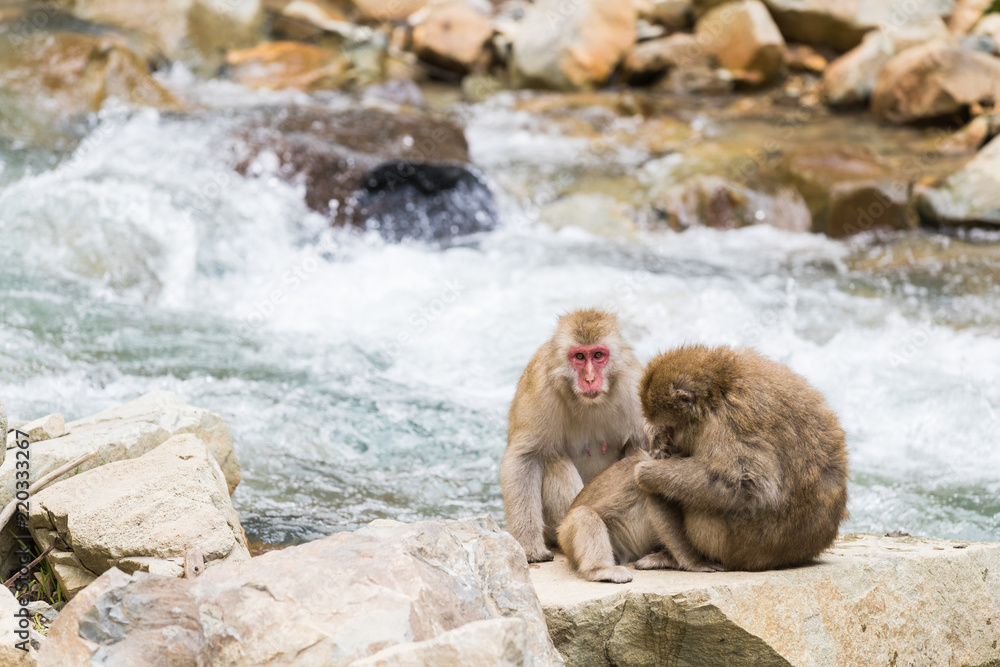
576,411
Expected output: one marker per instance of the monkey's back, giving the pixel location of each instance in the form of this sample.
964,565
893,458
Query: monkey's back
773,409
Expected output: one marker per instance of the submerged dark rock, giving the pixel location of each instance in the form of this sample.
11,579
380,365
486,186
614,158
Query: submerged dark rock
426,202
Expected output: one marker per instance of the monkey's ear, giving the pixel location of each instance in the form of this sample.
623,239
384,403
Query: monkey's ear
684,396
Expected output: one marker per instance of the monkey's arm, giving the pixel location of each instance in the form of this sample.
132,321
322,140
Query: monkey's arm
691,483
521,483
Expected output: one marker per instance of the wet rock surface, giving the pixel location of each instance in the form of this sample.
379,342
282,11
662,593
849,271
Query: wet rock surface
969,197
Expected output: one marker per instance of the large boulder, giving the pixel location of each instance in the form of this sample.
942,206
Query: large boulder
572,45
867,601
743,37
182,29
404,174
453,35
649,61
842,25
969,197
850,79
847,187
126,432
142,514
330,602
934,81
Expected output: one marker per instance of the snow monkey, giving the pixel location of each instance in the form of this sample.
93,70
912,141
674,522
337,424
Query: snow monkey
613,521
761,475
576,411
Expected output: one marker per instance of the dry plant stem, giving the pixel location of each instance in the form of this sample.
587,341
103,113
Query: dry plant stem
8,511
27,568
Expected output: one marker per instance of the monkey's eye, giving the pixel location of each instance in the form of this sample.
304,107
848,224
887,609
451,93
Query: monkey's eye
598,355
580,356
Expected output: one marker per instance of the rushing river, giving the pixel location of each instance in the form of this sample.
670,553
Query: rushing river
363,380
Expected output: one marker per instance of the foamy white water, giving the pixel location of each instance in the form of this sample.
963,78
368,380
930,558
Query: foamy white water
365,380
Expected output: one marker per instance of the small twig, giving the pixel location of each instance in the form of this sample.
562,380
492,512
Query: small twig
44,481
27,568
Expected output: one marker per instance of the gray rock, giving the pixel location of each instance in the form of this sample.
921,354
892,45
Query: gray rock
969,197
140,514
329,602
127,432
868,601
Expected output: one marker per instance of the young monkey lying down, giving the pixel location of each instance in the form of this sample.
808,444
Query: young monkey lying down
613,521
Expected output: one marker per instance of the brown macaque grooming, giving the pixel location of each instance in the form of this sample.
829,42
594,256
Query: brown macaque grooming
761,476
613,521
576,411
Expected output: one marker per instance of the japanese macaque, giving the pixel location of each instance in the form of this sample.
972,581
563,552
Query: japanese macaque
760,470
613,521
576,411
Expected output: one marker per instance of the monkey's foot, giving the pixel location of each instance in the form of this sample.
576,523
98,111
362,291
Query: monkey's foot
703,566
657,561
615,575
542,555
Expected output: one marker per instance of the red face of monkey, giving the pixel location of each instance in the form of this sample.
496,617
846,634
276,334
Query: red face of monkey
589,362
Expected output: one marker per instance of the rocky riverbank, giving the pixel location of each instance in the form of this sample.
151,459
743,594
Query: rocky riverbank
149,552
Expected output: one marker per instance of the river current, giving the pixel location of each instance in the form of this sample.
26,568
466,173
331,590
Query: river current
366,380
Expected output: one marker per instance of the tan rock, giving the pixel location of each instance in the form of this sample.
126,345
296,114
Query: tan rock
847,188
804,58
64,73
969,197
12,622
743,37
302,20
43,428
935,80
868,601
282,65
453,35
390,584
129,431
851,78
572,45
129,513
712,201
842,25
648,61
965,15
594,213
381,10
182,29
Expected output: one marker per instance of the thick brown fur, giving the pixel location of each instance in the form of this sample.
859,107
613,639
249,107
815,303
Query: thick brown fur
555,435
613,522
761,476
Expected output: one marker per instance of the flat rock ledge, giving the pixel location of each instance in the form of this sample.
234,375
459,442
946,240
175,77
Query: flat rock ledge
868,601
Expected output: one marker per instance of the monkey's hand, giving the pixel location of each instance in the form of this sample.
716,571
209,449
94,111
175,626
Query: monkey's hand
539,555
655,476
